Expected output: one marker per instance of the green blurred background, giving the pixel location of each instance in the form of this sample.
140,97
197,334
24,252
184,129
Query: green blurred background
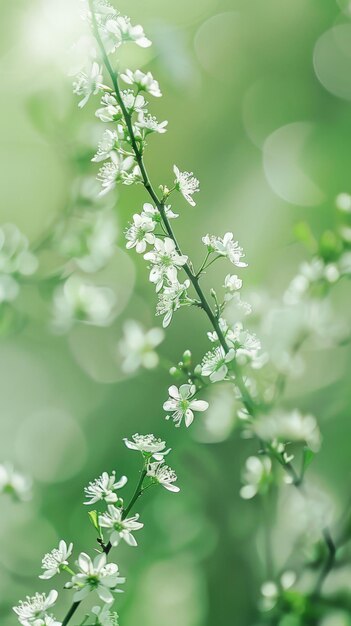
257,95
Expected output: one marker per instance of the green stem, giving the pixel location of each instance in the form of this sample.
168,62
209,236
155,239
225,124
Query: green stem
107,548
194,279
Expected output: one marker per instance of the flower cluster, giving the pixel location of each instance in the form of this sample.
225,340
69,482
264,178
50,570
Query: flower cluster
114,524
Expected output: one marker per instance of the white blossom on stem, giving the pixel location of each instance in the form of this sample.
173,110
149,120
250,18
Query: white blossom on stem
137,346
149,124
113,171
119,528
148,445
165,261
104,488
97,575
106,145
153,213
140,233
232,284
143,82
215,363
33,610
78,300
173,296
226,247
182,403
88,83
105,616
110,110
256,476
53,561
187,184
161,473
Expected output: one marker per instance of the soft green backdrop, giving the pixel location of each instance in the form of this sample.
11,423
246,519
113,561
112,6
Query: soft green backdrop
257,95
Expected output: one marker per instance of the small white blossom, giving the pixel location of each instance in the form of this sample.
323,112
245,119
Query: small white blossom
97,575
182,403
144,82
187,184
133,102
215,363
148,445
117,29
225,246
232,284
106,145
88,83
15,483
138,346
162,474
165,260
119,528
153,213
105,616
113,171
173,296
33,610
52,561
149,124
77,300
110,110
289,427
256,476
140,233
104,488
89,240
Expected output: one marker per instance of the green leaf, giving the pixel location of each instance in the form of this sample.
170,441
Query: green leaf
93,516
308,457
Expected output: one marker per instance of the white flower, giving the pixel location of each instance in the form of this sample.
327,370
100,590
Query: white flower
187,184
144,82
165,260
150,211
227,247
150,124
88,239
182,402
110,111
288,427
133,102
15,483
97,575
256,475
88,83
105,616
140,233
163,474
33,610
106,145
132,33
77,300
15,256
148,445
138,346
104,488
52,561
215,363
113,171
118,527
231,285
172,298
